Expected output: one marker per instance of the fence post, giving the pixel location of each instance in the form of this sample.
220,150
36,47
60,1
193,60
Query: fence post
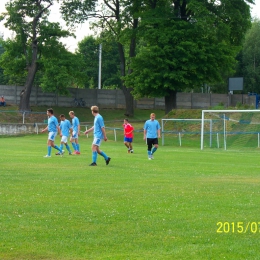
115,133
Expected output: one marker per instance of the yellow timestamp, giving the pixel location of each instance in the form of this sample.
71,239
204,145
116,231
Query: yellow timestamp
239,227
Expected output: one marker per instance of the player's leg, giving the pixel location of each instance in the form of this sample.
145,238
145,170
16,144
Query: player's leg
103,154
131,145
155,146
149,147
126,144
53,144
65,141
72,140
77,145
50,143
48,148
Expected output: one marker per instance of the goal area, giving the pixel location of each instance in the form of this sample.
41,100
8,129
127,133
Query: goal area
230,129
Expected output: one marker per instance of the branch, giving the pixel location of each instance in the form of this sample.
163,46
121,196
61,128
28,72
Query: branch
109,6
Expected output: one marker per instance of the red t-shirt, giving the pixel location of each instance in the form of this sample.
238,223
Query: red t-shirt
128,130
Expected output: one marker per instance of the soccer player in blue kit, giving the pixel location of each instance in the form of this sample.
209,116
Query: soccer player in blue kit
99,135
151,134
53,128
75,132
65,129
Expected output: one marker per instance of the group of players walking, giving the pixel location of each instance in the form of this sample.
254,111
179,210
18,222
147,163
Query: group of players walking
66,129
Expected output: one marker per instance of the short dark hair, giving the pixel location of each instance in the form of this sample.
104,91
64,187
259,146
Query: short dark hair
50,110
62,115
126,119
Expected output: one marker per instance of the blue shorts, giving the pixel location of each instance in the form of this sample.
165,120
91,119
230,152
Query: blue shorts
128,139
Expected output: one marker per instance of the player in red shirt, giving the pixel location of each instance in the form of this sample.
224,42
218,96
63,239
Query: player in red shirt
128,135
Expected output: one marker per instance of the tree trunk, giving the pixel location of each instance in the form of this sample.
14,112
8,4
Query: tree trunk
32,65
26,92
170,101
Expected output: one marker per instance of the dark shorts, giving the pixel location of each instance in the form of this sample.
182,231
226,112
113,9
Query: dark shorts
152,141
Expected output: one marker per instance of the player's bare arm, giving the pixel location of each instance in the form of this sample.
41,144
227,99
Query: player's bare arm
45,129
89,130
104,133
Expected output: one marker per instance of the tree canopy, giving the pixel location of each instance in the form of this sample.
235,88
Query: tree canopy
185,45
249,59
35,36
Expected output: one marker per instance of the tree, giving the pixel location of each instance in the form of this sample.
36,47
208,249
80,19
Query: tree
186,44
65,69
2,77
249,59
28,19
88,48
120,20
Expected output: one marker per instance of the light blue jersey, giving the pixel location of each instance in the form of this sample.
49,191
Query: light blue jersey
52,124
75,124
65,127
151,128
98,125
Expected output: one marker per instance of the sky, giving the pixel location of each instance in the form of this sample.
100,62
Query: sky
83,30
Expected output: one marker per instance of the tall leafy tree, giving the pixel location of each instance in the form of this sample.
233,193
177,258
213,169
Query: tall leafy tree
88,48
29,20
120,19
187,43
249,59
2,77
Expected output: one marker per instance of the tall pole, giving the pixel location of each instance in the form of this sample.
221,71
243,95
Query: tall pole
99,68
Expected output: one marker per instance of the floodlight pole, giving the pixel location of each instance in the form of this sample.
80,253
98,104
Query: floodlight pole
99,68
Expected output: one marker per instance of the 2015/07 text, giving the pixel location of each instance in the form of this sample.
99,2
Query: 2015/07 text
238,227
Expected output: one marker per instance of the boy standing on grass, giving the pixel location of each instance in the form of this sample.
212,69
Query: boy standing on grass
128,135
99,135
151,135
75,132
53,128
65,129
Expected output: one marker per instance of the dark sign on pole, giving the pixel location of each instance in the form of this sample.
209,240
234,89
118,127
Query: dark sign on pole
235,84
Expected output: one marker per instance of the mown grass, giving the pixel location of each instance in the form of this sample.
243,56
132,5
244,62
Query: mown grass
168,208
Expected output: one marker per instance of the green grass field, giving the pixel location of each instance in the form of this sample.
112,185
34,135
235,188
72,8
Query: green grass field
185,204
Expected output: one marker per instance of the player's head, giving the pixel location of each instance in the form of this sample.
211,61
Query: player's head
152,116
94,110
71,114
49,111
126,121
62,117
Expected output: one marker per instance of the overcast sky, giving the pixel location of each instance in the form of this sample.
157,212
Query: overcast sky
83,30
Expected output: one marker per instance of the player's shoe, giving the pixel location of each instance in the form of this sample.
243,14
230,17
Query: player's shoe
108,160
152,157
77,152
93,164
131,151
70,153
57,153
47,156
128,151
149,157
